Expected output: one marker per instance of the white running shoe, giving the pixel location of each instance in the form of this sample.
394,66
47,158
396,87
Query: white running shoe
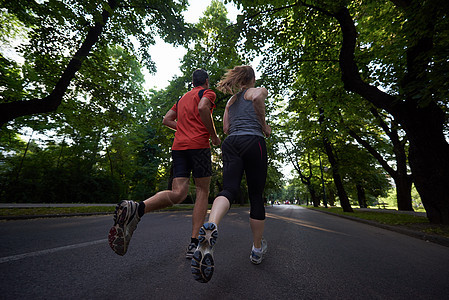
202,265
126,219
256,257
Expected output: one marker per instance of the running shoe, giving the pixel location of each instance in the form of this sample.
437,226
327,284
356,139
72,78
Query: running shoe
190,250
202,265
256,256
125,222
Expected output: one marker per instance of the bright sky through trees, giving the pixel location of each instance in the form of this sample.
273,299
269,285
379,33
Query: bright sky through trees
167,57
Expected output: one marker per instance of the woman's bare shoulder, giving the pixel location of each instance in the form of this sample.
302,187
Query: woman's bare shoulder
253,93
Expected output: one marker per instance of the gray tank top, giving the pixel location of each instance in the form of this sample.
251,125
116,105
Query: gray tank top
242,117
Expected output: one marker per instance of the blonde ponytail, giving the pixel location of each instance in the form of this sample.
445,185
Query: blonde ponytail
234,80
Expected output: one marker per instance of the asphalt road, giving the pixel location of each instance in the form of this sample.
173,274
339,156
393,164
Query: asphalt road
311,255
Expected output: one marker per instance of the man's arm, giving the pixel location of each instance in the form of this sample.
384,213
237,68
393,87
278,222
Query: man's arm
170,119
204,107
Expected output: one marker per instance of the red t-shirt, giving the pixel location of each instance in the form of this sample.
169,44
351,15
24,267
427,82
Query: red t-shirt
190,130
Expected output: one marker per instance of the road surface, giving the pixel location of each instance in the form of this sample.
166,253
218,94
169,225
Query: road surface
311,255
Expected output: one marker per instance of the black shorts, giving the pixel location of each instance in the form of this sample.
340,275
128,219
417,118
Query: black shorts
196,161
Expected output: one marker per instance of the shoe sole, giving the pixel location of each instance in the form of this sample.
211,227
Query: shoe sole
116,236
255,262
202,265
189,255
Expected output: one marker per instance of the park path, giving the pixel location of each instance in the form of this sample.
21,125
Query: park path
311,256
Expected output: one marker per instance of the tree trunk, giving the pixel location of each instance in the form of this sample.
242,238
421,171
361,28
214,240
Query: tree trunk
308,182
111,165
315,199
401,177
344,200
429,161
423,121
361,196
404,191
402,180
331,197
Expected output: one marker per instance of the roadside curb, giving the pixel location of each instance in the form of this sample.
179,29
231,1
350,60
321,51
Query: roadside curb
413,233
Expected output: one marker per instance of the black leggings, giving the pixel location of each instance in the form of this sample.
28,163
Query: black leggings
245,153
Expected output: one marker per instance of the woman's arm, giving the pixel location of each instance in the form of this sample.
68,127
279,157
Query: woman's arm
258,96
226,114
226,120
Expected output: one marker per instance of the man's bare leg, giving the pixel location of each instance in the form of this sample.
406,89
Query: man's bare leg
200,208
167,198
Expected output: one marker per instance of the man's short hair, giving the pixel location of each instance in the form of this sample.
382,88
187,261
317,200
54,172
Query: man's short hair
199,77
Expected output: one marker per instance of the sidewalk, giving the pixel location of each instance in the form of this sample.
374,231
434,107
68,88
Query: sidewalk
392,211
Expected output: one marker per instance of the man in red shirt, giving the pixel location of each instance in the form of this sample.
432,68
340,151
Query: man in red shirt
191,118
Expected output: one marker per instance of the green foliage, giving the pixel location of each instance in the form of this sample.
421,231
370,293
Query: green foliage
53,31
300,44
98,145
294,191
48,176
361,168
106,141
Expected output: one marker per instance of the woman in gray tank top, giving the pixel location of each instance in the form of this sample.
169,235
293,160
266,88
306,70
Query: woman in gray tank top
244,151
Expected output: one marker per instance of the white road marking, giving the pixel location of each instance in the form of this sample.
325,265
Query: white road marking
48,251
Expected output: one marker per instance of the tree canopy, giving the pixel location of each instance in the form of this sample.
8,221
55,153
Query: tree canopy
390,53
358,95
67,41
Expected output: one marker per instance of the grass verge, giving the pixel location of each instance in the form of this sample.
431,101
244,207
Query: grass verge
46,211
54,211
406,221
